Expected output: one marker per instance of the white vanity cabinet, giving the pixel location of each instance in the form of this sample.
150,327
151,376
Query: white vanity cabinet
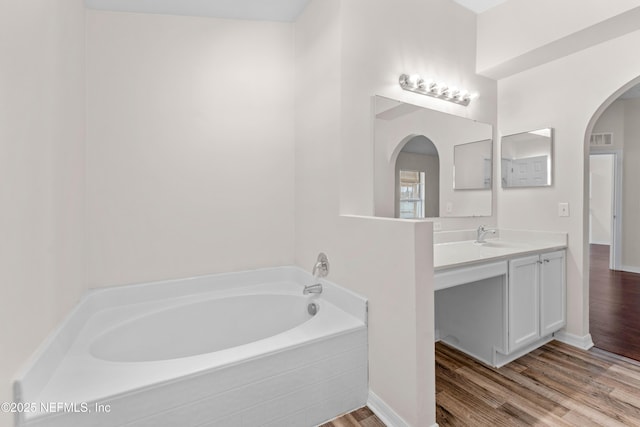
553,292
536,298
503,308
523,302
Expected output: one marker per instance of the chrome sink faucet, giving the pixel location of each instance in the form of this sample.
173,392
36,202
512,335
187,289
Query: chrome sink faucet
482,232
320,269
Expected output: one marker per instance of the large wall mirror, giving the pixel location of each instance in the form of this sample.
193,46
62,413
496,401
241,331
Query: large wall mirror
429,164
526,159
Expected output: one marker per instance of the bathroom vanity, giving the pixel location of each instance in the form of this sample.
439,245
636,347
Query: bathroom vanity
499,300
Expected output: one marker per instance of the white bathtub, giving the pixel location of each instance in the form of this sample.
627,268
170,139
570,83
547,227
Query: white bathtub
235,349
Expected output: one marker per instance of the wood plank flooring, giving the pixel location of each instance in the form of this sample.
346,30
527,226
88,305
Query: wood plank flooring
362,417
614,306
555,385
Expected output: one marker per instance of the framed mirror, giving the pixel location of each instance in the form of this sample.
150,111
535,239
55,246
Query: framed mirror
414,152
472,165
527,159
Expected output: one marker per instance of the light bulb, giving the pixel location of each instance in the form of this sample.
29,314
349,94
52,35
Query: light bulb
415,83
414,79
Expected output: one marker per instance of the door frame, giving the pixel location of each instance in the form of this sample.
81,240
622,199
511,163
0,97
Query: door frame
615,256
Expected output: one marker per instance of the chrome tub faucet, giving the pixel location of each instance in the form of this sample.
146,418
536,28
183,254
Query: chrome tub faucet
320,269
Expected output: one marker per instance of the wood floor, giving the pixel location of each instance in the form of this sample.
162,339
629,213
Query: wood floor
614,306
555,385
363,417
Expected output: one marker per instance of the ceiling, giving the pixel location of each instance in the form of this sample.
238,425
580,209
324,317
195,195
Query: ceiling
479,6
259,10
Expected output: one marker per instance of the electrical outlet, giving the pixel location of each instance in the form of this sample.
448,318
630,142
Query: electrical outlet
437,226
449,207
563,209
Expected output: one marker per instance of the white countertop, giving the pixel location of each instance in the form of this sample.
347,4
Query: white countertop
510,243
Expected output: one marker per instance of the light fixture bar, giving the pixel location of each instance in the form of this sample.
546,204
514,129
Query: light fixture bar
415,83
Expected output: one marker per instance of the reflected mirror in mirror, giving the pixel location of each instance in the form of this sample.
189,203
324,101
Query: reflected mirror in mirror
414,162
526,159
472,165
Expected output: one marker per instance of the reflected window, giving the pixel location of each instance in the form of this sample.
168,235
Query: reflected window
412,197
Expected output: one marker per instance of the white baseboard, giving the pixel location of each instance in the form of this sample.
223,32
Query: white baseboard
584,342
630,269
383,411
597,242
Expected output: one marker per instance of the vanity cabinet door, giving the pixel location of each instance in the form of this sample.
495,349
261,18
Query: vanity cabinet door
523,302
552,292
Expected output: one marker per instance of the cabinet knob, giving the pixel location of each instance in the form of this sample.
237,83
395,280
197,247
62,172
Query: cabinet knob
546,260
539,262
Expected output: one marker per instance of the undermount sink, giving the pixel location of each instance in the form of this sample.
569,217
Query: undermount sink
455,249
502,244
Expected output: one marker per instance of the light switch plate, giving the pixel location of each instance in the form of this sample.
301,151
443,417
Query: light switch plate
563,209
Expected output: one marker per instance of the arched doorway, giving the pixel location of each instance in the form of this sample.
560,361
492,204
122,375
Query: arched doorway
613,140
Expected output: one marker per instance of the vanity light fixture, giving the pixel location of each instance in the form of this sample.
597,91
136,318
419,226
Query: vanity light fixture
415,83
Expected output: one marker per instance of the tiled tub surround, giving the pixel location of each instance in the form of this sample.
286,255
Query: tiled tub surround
499,300
143,352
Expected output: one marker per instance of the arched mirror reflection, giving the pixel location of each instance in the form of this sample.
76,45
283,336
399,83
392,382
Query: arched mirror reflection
417,179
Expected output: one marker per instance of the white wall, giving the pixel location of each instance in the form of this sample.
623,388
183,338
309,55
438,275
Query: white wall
42,170
391,262
544,97
190,146
612,120
601,186
350,51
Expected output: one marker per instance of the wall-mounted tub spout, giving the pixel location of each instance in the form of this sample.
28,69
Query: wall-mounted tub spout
312,289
